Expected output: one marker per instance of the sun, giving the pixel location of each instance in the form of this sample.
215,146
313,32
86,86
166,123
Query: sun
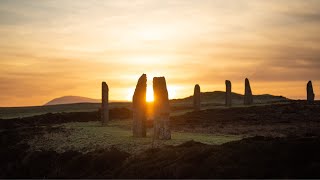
151,33
172,90
149,97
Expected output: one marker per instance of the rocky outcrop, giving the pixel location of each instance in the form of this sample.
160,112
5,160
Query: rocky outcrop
310,93
139,108
105,104
161,109
228,94
248,99
196,98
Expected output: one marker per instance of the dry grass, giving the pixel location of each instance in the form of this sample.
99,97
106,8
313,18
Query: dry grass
89,136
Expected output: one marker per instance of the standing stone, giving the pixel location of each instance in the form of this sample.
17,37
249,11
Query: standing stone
228,94
196,98
161,109
139,108
105,104
310,93
248,99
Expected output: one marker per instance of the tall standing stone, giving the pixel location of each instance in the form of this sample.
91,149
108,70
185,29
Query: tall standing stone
161,109
139,108
196,98
105,104
310,93
228,94
248,99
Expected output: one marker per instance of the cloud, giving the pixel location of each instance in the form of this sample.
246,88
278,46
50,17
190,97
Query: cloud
61,47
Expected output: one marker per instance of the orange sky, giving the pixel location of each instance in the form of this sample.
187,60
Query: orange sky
50,48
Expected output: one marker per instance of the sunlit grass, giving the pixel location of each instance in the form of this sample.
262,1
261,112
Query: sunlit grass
88,136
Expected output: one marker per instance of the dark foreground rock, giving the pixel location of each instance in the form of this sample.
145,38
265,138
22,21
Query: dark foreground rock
17,163
257,157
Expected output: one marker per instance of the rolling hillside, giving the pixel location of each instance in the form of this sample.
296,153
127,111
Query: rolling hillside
81,104
218,97
71,100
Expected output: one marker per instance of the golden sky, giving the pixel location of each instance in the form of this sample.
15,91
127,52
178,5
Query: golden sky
52,48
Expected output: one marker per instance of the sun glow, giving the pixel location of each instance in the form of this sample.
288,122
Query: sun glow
153,33
150,97
172,89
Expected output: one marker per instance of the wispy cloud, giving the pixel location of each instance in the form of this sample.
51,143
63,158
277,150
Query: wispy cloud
61,47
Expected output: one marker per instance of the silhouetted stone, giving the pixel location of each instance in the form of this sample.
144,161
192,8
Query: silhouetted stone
105,104
196,98
139,108
248,99
228,93
161,109
310,94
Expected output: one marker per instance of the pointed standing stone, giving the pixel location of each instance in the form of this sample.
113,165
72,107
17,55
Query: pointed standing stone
139,108
161,109
228,94
310,93
248,99
105,104
196,98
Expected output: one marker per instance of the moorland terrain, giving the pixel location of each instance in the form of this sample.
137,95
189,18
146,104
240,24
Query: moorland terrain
278,138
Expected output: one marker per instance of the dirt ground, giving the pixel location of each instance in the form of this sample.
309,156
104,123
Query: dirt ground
280,141
278,120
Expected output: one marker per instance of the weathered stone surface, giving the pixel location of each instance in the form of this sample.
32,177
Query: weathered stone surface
197,98
228,93
105,104
248,99
161,109
310,93
139,108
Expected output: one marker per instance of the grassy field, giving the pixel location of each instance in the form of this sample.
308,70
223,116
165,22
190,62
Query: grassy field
88,136
20,112
209,100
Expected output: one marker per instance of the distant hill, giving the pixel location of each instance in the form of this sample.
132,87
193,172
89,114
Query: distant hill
72,100
218,97
83,104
